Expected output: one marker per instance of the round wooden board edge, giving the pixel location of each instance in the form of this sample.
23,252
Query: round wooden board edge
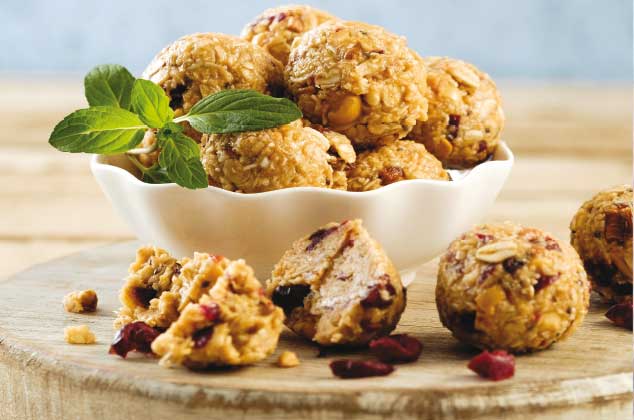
474,401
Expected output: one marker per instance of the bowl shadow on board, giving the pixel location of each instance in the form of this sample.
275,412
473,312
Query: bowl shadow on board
414,220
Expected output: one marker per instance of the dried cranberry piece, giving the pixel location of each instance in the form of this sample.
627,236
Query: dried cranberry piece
144,295
176,96
618,225
319,236
290,297
482,146
134,336
544,281
201,337
484,238
621,314
452,126
211,311
347,369
495,365
177,269
512,264
391,174
281,16
397,348
374,298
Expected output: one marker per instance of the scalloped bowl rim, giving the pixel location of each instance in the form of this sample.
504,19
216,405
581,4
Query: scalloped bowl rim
502,156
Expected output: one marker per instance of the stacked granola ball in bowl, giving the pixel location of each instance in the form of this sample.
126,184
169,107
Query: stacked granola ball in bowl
375,112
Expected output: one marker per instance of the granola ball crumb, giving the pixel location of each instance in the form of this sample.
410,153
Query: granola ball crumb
287,359
80,302
338,287
465,116
287,156
234,323
79,334
509,287
601,231
391,163
275,29
359,80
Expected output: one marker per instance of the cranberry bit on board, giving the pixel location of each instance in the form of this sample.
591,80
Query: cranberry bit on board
496,365
349,369
621,314
397,348
135,336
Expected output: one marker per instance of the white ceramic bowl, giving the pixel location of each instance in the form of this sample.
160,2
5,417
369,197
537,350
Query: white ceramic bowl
414,220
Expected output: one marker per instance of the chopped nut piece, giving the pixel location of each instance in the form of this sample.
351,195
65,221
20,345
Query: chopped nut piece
497,251
288,359
78,302
79,334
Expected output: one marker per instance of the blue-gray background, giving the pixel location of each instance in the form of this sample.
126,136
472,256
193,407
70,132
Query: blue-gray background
528,39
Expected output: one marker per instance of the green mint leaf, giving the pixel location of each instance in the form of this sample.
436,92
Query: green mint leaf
109,85
102,129
231,111
156,175
180,156
151,104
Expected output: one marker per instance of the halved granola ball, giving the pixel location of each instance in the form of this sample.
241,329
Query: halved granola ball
159,287
601,231
465,117
234,323
359,80
394,162
200,64
338,287
287,156
509,287
277,27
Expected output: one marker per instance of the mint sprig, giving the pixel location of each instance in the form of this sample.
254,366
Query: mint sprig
123,108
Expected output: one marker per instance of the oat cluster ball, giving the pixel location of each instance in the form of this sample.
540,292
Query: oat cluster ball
358,79
394,162
200,64
338,287
287,156
275,29
601,231
511,287
465,116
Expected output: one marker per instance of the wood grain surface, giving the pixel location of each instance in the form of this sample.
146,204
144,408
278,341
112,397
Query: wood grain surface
570,141
42,377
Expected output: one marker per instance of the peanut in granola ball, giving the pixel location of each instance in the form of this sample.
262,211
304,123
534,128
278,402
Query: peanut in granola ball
391,163
508,287
465,116
233,323
359,80
200,64
601,231
275,29
338,287
287,156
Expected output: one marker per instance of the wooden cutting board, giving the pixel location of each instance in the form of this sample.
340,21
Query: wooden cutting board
42,377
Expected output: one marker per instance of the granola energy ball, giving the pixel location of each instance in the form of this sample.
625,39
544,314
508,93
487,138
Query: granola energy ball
465,117
159,287
601,232
233,324
359,80
338,287
394,162
509,287
198,65
287,156
276,28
